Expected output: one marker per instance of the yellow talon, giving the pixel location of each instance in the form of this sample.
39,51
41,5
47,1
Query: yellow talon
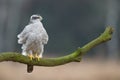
38,57
31,56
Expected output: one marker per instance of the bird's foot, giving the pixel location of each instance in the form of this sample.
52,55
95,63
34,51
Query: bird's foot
37,57
31,56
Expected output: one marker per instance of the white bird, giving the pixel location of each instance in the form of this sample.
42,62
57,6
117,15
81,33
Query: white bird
33,38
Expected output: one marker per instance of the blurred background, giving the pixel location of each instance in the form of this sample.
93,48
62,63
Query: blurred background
70,24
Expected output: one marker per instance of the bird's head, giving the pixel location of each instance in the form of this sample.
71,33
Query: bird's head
35,17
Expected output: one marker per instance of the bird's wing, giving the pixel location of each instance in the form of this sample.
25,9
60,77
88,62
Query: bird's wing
45,37
24,34
41,32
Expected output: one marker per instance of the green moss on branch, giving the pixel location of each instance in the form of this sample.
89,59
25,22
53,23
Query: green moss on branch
73,57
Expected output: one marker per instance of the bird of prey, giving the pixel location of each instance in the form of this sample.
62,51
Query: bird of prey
33,38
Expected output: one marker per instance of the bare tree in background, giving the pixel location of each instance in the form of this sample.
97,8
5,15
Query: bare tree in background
112,18
3,17
9,15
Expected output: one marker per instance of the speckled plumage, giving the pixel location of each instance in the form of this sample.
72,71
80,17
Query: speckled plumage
33,37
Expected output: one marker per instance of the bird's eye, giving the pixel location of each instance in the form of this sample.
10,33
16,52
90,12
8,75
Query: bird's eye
35,17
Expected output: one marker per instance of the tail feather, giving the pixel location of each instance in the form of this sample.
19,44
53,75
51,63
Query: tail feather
29,68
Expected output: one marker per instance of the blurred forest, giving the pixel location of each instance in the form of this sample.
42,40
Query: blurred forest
69,23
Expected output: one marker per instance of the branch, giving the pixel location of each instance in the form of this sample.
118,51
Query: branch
73,57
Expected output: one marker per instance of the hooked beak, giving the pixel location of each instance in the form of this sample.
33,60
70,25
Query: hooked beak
40,17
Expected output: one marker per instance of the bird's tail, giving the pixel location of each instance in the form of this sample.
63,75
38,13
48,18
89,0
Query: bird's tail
29,68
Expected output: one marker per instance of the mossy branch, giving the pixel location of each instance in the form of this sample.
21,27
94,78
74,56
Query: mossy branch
73,57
